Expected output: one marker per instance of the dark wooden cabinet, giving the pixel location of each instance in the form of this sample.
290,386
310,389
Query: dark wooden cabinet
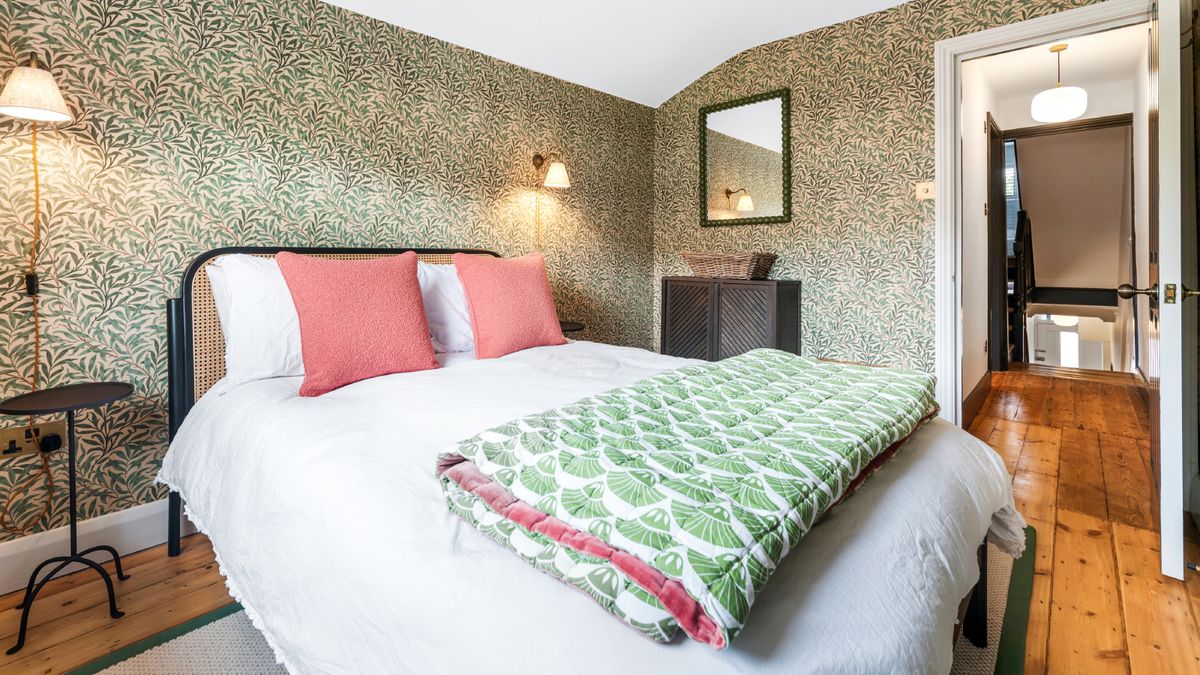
715,319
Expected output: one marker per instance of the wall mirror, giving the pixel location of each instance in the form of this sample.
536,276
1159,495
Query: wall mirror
746,161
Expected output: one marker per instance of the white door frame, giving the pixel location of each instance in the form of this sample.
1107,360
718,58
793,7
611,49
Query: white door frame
948,58
949,55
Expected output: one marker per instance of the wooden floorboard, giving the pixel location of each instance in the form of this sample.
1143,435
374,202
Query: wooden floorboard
1037,636
1078,449
1079,455
1127,482
1086,634
1075,374
70,626
1080,485
1156,610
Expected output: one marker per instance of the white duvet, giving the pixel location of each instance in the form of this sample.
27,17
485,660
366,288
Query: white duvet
332,532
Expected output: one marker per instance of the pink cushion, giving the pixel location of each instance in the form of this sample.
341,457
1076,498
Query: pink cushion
358,318
510,302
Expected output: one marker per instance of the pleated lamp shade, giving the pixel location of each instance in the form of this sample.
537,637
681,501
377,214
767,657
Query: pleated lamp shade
31,94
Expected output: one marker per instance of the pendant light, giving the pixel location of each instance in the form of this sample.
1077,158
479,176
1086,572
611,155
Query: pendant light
1060,103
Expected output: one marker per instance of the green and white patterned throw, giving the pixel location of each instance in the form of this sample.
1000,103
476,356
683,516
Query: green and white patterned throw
708,474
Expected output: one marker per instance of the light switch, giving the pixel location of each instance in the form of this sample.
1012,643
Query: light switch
925,190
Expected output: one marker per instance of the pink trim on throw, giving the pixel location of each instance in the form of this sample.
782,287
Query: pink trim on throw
671,593
880,459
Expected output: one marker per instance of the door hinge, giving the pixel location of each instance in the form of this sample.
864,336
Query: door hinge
985,209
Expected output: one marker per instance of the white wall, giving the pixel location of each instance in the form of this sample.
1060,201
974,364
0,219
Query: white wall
1104,99
1072,186
1141,197
977,101
1123,332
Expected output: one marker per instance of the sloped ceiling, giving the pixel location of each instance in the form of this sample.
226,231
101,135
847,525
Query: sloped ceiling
641,50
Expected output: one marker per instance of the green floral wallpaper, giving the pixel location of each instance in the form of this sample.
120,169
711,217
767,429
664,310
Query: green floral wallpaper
203,123
862,134
218,122
735,164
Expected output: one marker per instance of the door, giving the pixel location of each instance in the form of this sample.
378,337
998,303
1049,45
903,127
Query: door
997,251
1170,361
746,318
1049,343
689,308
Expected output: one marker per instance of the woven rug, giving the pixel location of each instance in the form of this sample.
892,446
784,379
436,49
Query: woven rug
1010,586
224,641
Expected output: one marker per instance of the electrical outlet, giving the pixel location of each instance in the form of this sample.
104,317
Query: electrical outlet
19,440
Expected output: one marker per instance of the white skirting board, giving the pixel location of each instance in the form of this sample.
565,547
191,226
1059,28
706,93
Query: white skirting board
127,531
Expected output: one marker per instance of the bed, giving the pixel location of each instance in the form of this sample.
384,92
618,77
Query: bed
331,529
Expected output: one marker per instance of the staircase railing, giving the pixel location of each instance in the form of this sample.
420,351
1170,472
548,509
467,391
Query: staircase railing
1024,282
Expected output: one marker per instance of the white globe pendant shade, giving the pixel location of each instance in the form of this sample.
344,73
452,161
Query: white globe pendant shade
1059,105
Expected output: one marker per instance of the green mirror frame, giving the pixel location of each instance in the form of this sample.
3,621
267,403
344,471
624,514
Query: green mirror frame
786,105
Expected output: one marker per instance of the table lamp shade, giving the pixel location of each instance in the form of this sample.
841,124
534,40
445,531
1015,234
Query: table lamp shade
31,94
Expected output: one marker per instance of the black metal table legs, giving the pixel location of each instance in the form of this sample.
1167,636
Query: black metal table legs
35,585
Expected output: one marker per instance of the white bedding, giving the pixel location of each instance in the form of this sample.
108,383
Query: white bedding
331,530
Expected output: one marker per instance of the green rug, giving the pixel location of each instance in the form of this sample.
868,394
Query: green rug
223,641
1010,657
1008,616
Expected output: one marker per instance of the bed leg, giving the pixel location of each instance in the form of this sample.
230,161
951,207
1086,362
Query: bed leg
174,519
975,623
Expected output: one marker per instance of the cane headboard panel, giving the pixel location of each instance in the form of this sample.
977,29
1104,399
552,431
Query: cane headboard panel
195,344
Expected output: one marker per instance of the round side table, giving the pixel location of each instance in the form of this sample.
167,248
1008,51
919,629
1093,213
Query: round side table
570,326
67,400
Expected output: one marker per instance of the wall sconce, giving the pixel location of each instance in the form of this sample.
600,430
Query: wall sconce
556,177
30,93
745,203
556,173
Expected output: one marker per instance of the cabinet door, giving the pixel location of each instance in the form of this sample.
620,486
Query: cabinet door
746,318
687,319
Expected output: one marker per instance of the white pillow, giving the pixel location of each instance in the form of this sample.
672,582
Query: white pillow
258,320
446,308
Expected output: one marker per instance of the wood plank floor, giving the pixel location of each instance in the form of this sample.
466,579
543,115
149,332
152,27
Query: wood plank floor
1079,456
1079,452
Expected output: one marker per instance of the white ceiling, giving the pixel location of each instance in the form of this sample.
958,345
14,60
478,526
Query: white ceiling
1100,58
642,50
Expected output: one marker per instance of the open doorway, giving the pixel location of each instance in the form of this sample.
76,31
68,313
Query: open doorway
1166,336
1060,224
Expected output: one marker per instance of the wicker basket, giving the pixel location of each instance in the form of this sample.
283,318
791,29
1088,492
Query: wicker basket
730,265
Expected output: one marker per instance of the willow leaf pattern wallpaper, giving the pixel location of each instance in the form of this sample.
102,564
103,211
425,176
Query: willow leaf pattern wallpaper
220,122
205,123
862,134
734,164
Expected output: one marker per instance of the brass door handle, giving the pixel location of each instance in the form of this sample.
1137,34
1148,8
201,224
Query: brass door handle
1127,291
